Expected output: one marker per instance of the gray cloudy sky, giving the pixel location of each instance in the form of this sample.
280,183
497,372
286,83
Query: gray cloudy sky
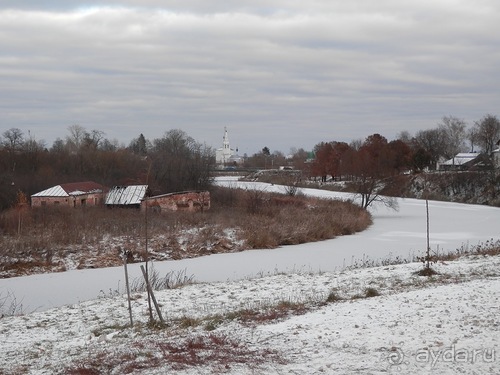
277,73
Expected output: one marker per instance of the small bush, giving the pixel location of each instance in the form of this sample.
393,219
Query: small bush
427,271
188,322
368,293
213,322
371,292
333,297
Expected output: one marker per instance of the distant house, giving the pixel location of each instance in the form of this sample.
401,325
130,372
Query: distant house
72,194
126,196
187,201
465,161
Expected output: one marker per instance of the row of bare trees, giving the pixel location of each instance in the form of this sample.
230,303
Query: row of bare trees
371,164
450,137
421,151
177,162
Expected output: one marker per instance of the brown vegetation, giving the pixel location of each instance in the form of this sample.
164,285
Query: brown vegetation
216,351
60,238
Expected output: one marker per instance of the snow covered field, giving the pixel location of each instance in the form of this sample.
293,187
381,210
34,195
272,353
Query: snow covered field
447,324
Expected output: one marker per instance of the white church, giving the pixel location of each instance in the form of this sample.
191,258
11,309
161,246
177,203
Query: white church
226,156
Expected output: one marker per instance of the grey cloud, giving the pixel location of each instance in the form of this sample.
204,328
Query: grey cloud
277,73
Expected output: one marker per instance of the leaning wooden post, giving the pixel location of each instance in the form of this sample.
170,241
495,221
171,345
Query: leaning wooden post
150,291
124,254
428,252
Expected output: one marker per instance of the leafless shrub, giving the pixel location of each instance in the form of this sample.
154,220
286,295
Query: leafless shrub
10,306
172,280
371,292
426,271
226,197
333,296
255,200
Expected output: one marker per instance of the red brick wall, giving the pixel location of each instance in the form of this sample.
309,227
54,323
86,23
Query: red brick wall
189,201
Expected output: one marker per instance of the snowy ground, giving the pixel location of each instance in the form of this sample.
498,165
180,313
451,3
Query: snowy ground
447,324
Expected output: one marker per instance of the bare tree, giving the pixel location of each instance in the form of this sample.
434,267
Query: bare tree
58,146
76,137
452,129
431,141
372,169
14,139
405,137
472,136
356,144
93,139
299,157
180,163
488,133
33,149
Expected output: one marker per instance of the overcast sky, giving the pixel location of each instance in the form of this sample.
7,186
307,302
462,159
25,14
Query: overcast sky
277,73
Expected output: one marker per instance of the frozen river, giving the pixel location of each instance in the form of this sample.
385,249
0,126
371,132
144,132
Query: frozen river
393,233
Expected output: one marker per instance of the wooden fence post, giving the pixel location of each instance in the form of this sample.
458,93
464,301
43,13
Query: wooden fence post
148,286
124,254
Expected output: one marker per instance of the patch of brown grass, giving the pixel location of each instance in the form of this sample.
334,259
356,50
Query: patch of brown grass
427,271
281,310
216,351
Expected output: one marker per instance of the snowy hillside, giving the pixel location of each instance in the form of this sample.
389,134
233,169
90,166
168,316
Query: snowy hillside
302,323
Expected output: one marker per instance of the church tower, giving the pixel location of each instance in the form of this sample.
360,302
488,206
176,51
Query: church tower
225,142
222,155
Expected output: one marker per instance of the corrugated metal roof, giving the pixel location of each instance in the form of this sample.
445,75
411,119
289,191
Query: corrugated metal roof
126,195
72,188
461,158
55,191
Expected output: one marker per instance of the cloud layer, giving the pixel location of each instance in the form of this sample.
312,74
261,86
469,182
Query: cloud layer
279,74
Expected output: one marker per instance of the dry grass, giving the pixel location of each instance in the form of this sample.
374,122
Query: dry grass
268,314
216,351
271,220
490,247
191,348
59,238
